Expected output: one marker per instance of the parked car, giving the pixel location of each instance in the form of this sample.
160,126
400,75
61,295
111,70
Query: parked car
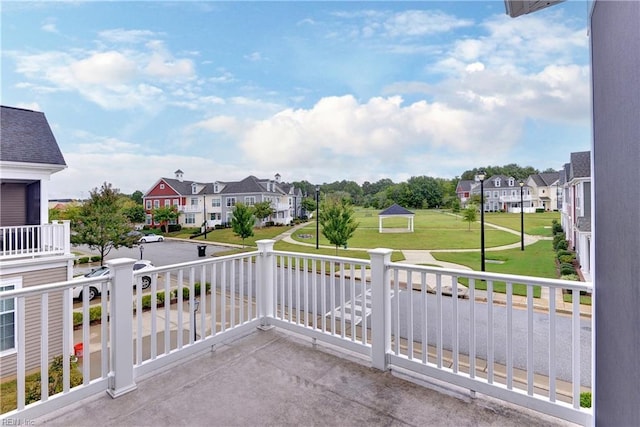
95,290
150,237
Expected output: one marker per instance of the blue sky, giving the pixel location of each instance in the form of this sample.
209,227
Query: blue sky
320,91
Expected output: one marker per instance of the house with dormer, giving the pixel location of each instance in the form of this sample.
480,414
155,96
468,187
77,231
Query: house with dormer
214,202
545,190
32,250
502,194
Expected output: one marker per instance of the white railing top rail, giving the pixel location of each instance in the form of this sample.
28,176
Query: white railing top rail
320,257
498,277
196,263
50,287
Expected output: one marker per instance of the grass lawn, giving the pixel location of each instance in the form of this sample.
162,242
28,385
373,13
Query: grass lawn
432,230
536,260
225,235
538,224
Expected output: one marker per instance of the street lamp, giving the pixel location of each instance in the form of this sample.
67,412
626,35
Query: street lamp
481,177
141,250
521,215
317,216
204,202
196,305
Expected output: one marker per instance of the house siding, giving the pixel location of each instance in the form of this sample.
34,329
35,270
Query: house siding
13,209
33,331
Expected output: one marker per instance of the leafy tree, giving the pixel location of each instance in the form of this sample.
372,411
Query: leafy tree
165,214
469,214
309,205
137,197
101,224
337,221
262,210
135,213
242,221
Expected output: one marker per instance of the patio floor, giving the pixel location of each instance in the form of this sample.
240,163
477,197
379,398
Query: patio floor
277,378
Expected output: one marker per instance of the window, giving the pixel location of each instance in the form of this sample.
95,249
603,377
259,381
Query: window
215,202
148,219
496,194
167,202
190,218
194,188
290,202
156,204
497,182
173,222
231,201
176,202
162,186
8,316
214,216
250,200
511,182
148,203
504,192
216,189
194,201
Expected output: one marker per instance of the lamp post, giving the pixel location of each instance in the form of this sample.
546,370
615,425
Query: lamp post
204,202
196,305
481,176
317,216
521,215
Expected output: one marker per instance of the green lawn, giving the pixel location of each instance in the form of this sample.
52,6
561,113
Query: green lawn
536,260
538,224
225,235
432,230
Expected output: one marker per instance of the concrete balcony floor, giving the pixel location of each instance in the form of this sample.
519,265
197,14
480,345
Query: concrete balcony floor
277,378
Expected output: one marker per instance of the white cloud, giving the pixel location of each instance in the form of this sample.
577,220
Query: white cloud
103,68
120,35
422,22
254,57
34,106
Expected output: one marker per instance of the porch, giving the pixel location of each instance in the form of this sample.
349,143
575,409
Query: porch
341,325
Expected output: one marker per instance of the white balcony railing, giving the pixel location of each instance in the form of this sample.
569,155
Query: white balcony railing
35,240
508,338
515,199
189,208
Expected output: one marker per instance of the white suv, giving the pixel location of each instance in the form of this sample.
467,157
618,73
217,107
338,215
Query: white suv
96,289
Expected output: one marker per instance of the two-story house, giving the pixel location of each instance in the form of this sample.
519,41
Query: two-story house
463,191
32,251
502,193
544,189
214,202
576,207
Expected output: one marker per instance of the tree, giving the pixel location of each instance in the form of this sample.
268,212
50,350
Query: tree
262,210
137,197
242,221
469,214
309,205
135,213
337,222
164,215
101,224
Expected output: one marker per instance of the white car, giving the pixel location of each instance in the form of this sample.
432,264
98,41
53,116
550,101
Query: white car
96,289
150,237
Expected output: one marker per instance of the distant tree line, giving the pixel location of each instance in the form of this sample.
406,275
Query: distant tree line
418,192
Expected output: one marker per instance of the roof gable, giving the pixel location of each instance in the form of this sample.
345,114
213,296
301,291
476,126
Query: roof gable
26,137
395,209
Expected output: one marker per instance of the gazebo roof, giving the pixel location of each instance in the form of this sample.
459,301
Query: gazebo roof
395,209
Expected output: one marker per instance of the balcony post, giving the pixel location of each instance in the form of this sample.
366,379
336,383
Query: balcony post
66,243
380,307
121,379
265,290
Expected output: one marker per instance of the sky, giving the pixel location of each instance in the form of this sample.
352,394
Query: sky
316,91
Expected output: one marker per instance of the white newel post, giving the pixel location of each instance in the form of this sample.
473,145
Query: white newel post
266,292
66,238
380,307
121,327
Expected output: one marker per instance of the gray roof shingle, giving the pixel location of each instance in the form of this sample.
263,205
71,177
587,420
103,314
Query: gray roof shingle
25,136
580,165
396,209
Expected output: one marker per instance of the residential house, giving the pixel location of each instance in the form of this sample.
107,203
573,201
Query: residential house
32,252
285,199
502,193
463,191
576,209
214,202
544,189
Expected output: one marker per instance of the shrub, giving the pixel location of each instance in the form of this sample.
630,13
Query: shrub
83,260
567,269
556,228
573,277
563,252
96,258
77,318
539,210
567,258
562,245
174,227
54,381
146,300
196,287
585,399
557,239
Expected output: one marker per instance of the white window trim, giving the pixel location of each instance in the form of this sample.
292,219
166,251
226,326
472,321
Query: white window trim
16,282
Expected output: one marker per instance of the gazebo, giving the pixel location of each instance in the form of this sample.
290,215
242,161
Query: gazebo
395,211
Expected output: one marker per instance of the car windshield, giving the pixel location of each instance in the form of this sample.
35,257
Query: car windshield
97,272
138,266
